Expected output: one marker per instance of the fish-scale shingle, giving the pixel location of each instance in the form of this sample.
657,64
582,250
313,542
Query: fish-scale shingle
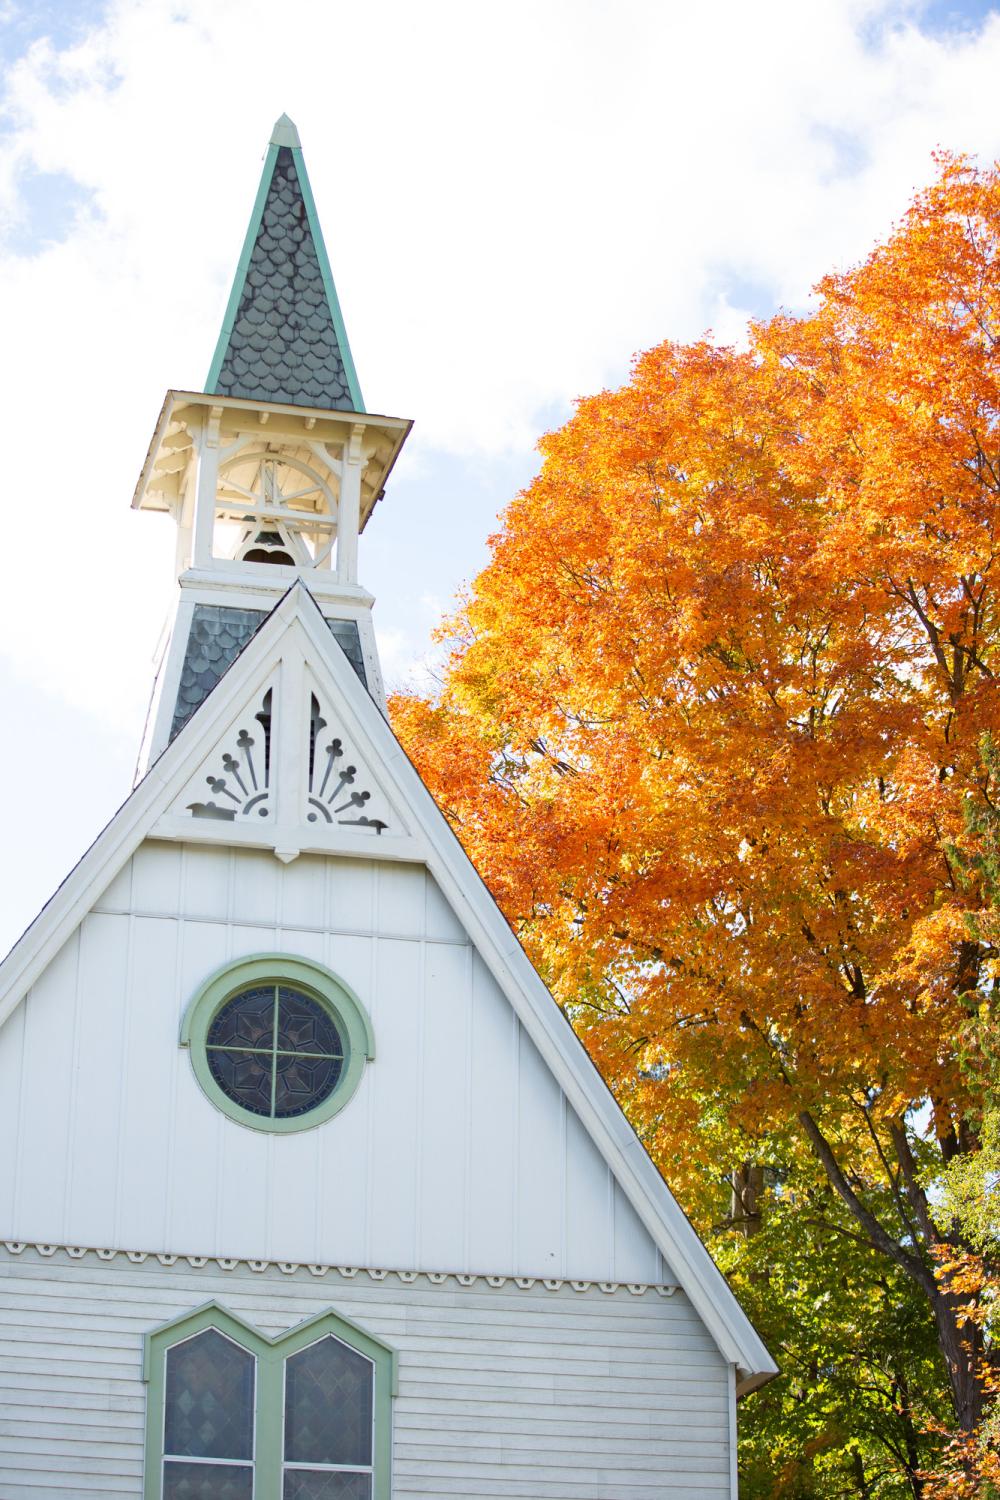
218,634
284,313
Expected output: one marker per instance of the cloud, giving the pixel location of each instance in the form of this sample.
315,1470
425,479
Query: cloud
515,201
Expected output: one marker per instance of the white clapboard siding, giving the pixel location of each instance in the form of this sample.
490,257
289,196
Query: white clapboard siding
458,1153
529,1394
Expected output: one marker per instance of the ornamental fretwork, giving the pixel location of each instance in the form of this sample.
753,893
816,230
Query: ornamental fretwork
337,786
240,783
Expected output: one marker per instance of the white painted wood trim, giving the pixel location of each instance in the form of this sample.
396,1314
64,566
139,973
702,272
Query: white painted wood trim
168,687
208,481
734,1467
218,583
369,654
349,509
484,1280
291,423
310,839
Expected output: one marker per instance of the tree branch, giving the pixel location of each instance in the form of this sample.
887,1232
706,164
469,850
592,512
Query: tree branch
877,1234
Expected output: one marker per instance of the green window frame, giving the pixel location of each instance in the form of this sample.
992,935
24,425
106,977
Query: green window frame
270,1355
317,982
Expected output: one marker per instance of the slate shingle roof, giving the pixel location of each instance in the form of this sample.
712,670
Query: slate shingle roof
218,634
348,638
284,345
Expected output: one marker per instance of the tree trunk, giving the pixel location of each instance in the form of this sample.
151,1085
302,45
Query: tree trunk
747,1185
860,1479
961,1344
912,1466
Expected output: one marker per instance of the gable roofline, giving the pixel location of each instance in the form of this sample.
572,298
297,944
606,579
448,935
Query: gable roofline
285,136
543,1021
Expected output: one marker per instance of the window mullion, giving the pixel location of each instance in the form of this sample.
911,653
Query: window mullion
270,1423
274,1052
385,1381
317,1468
218,1463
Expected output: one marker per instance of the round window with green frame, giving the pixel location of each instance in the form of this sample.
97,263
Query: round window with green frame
277,1043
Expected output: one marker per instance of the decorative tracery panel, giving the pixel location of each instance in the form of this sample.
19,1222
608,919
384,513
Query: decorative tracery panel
239,781
251,775
340,789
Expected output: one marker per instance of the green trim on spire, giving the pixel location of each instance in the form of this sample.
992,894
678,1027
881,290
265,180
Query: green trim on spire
331,290
232,306
284,146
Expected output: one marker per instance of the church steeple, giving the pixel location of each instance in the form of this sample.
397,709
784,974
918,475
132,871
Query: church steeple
283,336
271,474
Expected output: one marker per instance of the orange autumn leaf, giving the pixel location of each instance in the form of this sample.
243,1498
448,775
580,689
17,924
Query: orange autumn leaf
715,714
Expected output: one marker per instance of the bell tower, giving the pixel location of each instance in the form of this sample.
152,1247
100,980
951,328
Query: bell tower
272,472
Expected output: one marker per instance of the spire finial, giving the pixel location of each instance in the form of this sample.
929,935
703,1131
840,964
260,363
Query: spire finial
285,134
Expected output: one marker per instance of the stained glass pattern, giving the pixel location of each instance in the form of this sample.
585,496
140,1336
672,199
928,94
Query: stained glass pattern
275,1051
303,1024
209,1399
245,1021
315,1484
302,1082
246,1078
188,1481
328,1406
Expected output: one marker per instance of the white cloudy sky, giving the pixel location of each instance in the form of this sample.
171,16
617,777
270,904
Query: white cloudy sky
515,200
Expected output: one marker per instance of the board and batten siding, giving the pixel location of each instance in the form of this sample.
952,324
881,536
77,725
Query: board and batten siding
519,1392
458,1153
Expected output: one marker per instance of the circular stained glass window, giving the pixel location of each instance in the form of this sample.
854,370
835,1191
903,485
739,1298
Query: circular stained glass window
275,1051
277,1043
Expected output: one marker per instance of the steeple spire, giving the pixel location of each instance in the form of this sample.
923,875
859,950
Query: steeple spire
283,338
272,472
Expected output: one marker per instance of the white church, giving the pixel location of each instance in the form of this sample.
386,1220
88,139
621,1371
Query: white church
308,1191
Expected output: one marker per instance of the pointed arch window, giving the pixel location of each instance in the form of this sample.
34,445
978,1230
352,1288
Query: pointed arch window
329,1423
235,1415
208,1417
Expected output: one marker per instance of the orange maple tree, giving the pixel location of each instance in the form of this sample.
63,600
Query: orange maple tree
714,709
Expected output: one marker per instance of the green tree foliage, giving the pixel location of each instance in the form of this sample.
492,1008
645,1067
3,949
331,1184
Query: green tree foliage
862,1388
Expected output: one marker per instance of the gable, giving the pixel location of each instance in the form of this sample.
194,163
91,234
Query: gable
512,1120
459,1152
